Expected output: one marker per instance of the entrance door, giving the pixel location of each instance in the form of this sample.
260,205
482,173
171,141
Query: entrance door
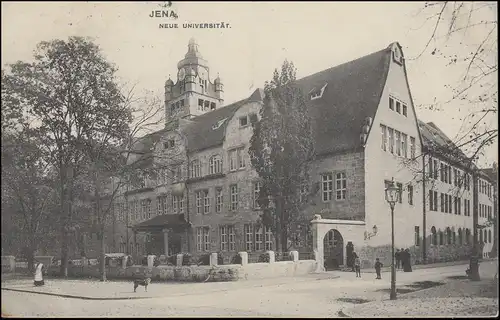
174,243
333,246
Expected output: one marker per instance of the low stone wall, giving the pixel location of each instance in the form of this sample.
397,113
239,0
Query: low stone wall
198,273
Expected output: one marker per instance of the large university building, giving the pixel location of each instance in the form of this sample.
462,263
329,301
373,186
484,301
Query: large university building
202,197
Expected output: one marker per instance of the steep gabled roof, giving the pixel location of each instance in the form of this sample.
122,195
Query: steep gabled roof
208,130
435,141
352,93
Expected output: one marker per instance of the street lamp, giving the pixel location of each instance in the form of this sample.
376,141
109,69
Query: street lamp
392,196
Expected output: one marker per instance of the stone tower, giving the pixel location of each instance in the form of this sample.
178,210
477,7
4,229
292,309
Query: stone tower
193,94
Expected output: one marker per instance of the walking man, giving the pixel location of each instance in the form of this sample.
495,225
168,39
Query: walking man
357,266
39,268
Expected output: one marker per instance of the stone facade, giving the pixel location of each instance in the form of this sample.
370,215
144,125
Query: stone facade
357,175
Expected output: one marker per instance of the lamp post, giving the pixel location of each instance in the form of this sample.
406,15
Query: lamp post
392,196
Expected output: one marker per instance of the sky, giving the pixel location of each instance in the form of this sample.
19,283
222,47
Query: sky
260,36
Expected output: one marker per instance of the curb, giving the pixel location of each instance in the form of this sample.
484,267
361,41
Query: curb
75,297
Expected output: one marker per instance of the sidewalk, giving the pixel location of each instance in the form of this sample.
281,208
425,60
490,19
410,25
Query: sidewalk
456,298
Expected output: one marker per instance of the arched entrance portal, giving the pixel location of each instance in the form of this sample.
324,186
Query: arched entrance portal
333,250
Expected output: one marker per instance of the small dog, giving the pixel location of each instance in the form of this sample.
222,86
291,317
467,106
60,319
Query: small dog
143,283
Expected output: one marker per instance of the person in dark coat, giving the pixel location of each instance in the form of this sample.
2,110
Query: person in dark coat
378,266
407,261
354,256
397,256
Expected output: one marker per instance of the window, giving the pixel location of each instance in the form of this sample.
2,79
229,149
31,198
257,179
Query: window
218,200
400,190
398,107
199,197
212,106
243,121
223,238
268,238
417,236
203,239
431,200
327,183
398,143
391,140
162,205
384,137
442,202
446,202
259,237
405,110
489,236
448,236
202,87
248,237
410,194
200,104
441,238
449,204
195,169
206,202
234,197
412,147
436,168
232,242
256,193
459,206
144,207
207,105
456,205
215,164
340,185
460,236
177,204
236,159
404,145
391,103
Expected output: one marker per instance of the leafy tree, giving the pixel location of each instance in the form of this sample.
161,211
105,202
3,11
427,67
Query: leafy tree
281,149
69,94
28,195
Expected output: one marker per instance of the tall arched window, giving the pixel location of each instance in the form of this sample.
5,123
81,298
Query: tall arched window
454,238
460,239
489,236
195,169
485,236
480,236
434,236
215,165
467,236
448,235
441,238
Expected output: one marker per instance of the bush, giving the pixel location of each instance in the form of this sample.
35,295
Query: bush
187,259
264,257
130,261
144,261
236,259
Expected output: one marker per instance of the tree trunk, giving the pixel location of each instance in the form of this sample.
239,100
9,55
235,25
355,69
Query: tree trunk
102,265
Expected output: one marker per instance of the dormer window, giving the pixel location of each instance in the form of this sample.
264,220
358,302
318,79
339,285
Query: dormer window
317,93
169,144
243,121
218,124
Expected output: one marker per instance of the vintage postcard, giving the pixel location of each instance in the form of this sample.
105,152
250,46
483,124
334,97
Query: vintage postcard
257,159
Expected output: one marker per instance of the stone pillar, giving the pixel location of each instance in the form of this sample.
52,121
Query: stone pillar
295,256
151,260
272,258
165,241
318,243
213,259
179,260
244,258
124,262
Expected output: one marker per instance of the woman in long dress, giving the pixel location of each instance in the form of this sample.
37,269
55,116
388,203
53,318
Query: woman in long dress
39,268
